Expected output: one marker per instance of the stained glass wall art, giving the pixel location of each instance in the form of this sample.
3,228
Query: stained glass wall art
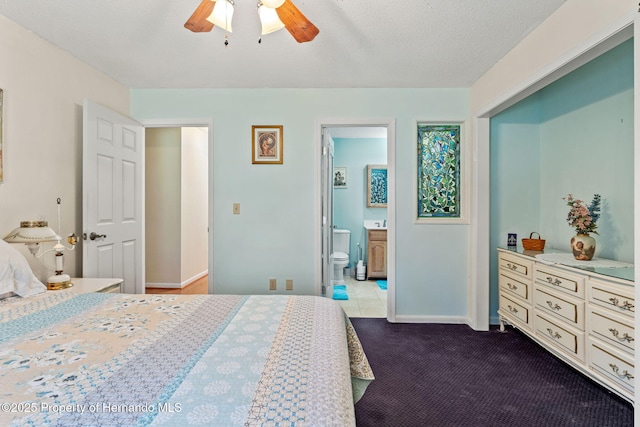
438,170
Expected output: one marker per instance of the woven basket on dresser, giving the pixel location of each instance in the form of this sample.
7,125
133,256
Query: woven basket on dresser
532,244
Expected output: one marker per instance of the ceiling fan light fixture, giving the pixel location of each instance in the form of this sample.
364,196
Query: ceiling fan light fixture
273,4
273,14
222,14
269,19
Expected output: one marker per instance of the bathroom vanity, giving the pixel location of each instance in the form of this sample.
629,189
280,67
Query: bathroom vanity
377,254
376,248
583,315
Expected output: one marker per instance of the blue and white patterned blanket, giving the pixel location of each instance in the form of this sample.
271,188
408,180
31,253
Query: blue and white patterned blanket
217,360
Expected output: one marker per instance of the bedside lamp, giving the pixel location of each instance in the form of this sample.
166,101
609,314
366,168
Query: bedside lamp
32,233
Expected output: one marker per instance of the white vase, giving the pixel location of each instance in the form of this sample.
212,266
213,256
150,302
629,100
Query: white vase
583,247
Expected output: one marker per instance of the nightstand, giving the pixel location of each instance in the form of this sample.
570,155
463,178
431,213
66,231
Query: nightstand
93,284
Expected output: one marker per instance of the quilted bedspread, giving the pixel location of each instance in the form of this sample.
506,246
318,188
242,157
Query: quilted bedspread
218,360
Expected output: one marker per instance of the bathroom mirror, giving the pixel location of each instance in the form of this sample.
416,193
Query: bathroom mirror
376,186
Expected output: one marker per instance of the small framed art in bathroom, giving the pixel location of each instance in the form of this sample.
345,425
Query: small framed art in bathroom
376,186
339,177
266,145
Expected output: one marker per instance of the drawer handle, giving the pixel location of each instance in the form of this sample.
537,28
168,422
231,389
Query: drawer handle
512,309
512,266
626,337
626,305
551,306
553,282
625,374
512,287
554,334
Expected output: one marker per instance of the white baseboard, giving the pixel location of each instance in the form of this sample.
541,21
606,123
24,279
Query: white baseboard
164,285
177,285
194,278
432,319
447,320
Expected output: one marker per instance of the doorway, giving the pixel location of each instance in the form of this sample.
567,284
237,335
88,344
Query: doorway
178,217
176,206
356,145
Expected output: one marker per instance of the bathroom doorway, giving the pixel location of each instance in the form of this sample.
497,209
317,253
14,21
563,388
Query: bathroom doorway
356,147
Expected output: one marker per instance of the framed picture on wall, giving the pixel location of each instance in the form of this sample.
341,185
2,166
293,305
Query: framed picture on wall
266,145
339,177
376,186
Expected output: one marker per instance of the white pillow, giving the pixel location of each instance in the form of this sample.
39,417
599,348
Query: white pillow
15,274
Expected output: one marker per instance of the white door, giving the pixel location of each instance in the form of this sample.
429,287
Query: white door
327,214
112,191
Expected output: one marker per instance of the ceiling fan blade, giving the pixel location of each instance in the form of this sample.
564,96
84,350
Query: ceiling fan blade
296,23
198,21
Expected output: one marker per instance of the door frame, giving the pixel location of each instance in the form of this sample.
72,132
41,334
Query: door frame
326,195
208,123
390,124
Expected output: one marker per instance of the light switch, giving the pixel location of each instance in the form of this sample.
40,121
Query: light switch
236,208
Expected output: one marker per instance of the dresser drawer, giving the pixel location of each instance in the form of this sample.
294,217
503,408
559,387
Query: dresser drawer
513,310
112,289
513,286
566,339
615,298
515,265
559,279
612,329
612,365
568,309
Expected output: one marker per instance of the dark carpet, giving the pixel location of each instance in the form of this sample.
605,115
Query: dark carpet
450,375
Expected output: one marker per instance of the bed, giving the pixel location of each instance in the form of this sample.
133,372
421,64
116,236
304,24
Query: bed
70,358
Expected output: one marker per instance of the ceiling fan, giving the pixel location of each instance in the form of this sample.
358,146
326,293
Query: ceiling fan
294,21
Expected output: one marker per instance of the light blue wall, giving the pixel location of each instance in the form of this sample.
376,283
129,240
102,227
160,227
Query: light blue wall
515,179
574,136
587,147
350,204
275,234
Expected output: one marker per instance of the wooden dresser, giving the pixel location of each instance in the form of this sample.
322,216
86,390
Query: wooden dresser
585,317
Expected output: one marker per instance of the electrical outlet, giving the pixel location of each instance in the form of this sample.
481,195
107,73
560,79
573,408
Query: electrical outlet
236,208
272,284
289,284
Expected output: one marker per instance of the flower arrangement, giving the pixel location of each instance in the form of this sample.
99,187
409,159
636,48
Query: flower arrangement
583,218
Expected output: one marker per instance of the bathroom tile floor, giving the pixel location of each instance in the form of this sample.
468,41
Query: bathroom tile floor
366,299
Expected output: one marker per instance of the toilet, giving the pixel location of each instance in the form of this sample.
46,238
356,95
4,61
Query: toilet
340,255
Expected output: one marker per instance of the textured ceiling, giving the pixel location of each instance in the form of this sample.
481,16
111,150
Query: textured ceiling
362,43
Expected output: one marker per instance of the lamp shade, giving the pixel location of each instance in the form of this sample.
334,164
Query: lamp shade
222,14
32,232
269,20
